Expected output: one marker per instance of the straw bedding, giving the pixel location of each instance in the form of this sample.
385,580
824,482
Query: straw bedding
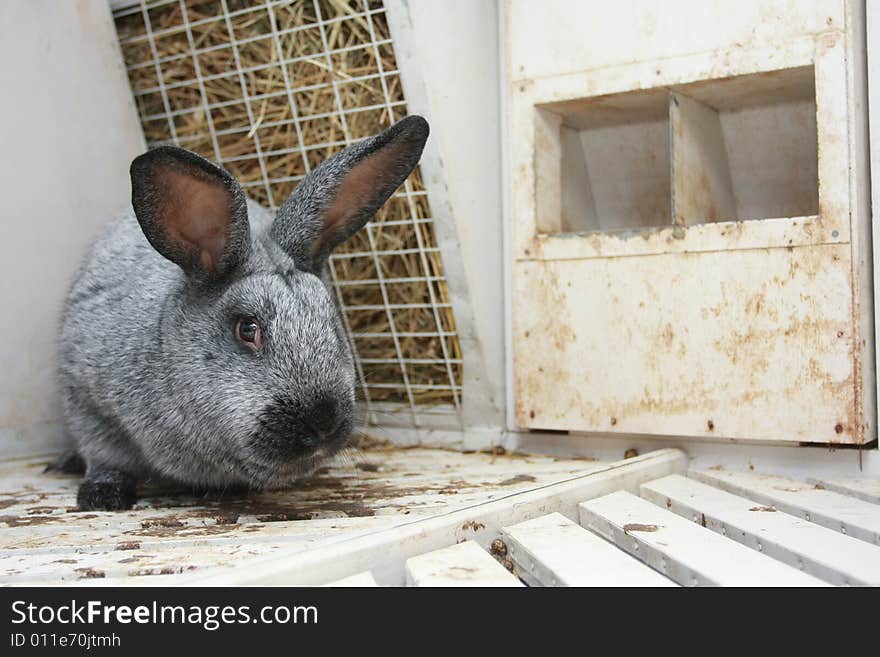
231,101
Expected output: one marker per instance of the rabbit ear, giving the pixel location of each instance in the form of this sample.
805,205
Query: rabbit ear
191,211
337,198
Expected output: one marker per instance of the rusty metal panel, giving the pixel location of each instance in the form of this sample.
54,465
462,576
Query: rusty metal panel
739,314
752,344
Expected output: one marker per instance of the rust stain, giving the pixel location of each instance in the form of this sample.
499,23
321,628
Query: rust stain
473,526
41,510
555,333
518,479
161,522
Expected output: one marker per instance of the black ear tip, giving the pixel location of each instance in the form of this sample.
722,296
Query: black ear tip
140,166
416,127
144,161
167,155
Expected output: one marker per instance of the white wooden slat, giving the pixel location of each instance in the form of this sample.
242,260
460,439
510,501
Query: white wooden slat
860,487
360,580
682,550
815,550
554,551
848,515
385,552
463,564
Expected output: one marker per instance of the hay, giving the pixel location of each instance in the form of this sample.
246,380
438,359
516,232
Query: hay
217,103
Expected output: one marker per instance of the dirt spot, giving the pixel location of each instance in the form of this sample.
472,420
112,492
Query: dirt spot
128,545
636,527
166,570
473,525
631,453
184,530
367,467
90,573
28,521
766,509
41,510
150,523
518,479
133,559
498,548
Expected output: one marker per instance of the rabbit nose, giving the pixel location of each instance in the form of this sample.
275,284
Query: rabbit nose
323,417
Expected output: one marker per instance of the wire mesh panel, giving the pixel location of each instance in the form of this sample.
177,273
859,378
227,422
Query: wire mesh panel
271,89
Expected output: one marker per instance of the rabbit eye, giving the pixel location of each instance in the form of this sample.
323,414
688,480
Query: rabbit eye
248,330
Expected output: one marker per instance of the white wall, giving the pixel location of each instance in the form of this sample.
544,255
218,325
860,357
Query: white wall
68,131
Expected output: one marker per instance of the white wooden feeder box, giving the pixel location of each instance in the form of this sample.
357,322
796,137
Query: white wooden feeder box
690,228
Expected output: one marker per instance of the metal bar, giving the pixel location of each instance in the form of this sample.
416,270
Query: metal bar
257,68
247,103
198,69
407,185
370,236
159,76
233,14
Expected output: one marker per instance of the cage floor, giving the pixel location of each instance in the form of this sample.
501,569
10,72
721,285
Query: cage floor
46,540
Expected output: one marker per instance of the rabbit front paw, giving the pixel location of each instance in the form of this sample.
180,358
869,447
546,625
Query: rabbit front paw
108,490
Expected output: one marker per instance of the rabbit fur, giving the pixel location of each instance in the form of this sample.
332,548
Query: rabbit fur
157,371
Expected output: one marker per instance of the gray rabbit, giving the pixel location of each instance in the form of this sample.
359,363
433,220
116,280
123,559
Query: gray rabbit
200,342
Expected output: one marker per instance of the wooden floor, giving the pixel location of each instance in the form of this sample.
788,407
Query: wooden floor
709,528
45,540
384,515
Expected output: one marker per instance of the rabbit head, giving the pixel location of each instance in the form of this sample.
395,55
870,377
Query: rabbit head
253,352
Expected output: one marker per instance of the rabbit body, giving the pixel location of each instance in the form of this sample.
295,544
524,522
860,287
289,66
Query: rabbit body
200,341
